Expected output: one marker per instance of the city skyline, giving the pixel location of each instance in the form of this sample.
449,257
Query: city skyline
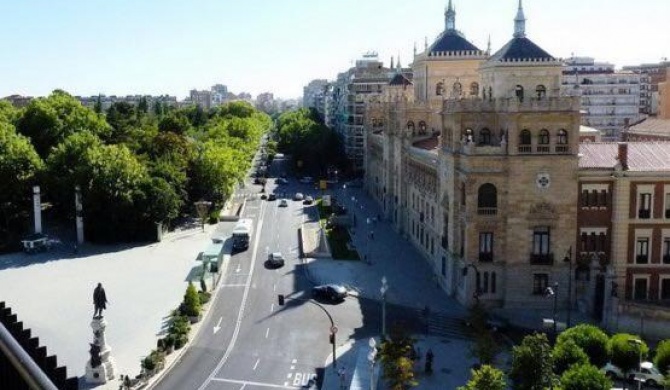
171,47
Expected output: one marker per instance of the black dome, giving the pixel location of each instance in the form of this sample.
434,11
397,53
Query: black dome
451,41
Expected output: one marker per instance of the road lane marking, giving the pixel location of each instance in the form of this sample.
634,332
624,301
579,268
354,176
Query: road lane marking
302,379
272,308
217,327
294,361
240,313
267,332
274,287
256,365
243,386
289,375
233,285
292,367
249,383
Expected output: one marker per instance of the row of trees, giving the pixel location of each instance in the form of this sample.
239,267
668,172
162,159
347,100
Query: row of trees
573,363
314,147
135,167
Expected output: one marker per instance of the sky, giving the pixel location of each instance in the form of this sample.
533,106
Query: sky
122,47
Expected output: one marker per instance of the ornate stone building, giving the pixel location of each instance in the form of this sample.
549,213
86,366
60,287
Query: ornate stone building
475,161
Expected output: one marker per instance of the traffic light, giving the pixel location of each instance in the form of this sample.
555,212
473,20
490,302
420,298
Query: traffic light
281,299
332,338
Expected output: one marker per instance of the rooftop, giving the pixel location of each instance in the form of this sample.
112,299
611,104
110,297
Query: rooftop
651,126
521,49
451,41
642,156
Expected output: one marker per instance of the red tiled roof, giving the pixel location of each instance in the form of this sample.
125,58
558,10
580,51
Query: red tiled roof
642,156
651,126
427,144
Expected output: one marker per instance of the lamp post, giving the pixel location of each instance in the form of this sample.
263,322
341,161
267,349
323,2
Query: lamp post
638,344
383,290
553,292
568,259
202,207
371,358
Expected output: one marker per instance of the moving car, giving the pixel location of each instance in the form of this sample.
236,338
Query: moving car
298,196
276,259
649,375
329,292
272,197
308,200
283,203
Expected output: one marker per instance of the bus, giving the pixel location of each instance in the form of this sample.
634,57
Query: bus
242,234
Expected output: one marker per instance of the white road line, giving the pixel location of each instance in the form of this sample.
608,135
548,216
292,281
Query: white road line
289,375
267,332
243,386
233,285
292,367
274,287
256,365
294,361
240,314
272,308
286,386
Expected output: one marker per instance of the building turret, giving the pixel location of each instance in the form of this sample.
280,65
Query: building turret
520,23
450,18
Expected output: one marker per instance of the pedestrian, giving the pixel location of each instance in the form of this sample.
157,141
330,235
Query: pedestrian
372,235
429,361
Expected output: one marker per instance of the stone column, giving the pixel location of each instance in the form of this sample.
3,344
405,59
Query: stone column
37,209
100,367
79,215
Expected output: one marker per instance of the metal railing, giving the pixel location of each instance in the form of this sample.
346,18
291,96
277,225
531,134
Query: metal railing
33,375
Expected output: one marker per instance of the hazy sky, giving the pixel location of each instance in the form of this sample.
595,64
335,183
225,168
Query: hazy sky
124,47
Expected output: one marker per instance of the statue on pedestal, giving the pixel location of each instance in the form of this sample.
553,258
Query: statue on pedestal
99,301
100,367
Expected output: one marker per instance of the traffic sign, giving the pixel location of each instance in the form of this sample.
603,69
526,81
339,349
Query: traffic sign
333,329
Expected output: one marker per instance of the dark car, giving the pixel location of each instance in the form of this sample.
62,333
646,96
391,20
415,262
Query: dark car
272,197
276,259
329,292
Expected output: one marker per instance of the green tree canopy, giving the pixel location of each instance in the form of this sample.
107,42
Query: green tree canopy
9,113
48,121
175,122
585,377
626,352
662,356
567,353
591,339
532,363
486,378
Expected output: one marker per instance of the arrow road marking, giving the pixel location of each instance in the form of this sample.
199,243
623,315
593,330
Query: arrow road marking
217,327
239,268
267,332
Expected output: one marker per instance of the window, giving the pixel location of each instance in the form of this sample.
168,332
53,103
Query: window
541,241
642,250
493,282
444,266
485,137
410,127
640,288
665,288
518,91
463,194
540,283
474,89
485,288
544,137
439,89
644,211
667,205
486,246
562,138
524,137
666,251
541,91
422,128
487,199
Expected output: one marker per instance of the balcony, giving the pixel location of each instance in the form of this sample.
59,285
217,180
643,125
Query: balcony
487,210
525,149
667,213
562,149
642,259
666,259
542,259
485,257
644,214
543,149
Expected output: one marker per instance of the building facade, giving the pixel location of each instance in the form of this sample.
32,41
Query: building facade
314,95
201,98
610,99
650,77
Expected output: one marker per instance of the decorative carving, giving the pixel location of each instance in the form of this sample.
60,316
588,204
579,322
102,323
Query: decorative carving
542,210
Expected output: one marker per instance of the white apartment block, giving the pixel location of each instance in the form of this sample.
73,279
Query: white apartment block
610,98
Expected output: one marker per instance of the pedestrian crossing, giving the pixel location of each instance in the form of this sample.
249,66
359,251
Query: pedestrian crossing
443,324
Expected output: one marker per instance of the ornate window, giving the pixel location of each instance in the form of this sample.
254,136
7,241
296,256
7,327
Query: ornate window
487,198
541,91
544,137
485,136
410,127
474,89
439,89
422,128
562,137
458,88
518,91
524,137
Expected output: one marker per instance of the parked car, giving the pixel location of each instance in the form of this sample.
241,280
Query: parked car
276,259
649,375
329,292
298,196
307,180
272,197
283,203
308,200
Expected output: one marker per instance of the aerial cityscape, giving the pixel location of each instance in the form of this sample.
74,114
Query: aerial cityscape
385,195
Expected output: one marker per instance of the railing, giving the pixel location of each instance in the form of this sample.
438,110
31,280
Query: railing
486,257
543,149
642,259
487,210
525,149
562,149
666,259
644,214
542,258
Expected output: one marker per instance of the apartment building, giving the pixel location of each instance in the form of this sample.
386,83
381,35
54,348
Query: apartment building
651,75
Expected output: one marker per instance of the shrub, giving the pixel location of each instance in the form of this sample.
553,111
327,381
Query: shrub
566,354
662,357
591,339
168,342
532,363
585,377
486,378
625,353
155,359
204,296
179,326
191,301
180,341
213,218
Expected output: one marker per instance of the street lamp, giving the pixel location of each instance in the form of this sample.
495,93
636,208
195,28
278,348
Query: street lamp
371,358
202,207
383,290
568,259
553,292
638,344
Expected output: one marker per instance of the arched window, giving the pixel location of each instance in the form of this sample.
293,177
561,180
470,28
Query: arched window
524,137
439,89
562,137
410,127
544,137
541,91
468,135
422,128
487,196
474,89
518,91
458,88
485,136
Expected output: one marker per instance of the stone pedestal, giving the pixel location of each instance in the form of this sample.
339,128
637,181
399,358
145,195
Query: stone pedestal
100,368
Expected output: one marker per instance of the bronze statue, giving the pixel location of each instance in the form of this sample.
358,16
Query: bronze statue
99,301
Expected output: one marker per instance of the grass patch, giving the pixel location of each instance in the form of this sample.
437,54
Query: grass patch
338,237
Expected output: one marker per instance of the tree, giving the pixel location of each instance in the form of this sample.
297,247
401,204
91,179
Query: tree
143,105
48,121
97,107
123,117
395,355
662,357
191,301
486,378
174,122
485,348
532,363
8,113
591,339
566,354
625,352
585,377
